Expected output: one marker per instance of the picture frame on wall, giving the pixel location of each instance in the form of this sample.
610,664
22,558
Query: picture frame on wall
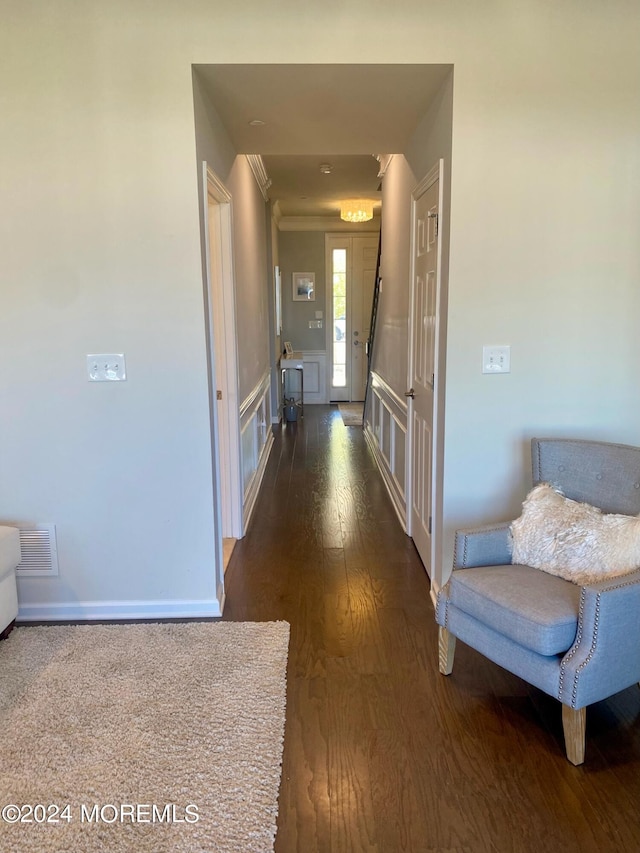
304,286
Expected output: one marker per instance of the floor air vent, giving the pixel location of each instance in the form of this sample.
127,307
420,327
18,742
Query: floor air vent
39,551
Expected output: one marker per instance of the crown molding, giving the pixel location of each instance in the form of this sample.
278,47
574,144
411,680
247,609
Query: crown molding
276,213
259,173
384,160
215,188
326,223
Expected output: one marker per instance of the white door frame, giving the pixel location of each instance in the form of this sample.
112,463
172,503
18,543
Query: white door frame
435,174
222,352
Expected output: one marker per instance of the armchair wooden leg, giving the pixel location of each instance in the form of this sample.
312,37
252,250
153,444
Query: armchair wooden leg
574,724
446,650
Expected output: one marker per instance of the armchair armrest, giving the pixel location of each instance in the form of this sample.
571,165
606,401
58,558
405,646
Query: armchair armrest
605,656
489,545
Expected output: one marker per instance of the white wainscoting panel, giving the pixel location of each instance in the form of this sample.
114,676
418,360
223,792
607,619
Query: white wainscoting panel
256,440
386,433
315,376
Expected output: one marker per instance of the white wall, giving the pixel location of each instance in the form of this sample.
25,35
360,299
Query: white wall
544,251
100,248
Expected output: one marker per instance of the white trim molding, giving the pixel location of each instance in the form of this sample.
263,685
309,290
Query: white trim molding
259,173
97,610
434,174
315,376
386,433
256,441
254,395
384,160
387,390
222,356
215,188
328,223
276,213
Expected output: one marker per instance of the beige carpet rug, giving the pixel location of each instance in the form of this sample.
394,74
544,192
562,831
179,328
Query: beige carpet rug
144,738
351,413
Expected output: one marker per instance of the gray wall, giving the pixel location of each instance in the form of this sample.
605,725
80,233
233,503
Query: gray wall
251,275
273,261
302,251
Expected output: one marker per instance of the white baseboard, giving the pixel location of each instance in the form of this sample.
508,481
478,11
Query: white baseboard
222,596
98,610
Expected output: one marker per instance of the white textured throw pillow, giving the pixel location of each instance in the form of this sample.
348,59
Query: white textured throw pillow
574,540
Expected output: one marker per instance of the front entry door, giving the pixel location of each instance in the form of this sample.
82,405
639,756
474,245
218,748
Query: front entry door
351,266
423,348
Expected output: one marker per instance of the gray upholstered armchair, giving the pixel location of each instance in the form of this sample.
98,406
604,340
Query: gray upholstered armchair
578,644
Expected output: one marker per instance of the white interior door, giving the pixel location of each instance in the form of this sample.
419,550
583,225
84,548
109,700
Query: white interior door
422,362
351,269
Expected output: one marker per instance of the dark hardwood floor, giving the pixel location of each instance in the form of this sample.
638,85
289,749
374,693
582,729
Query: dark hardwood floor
382,753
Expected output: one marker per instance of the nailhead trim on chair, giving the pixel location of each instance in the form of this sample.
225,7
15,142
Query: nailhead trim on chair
465,536
446,590
455,550
578,640
539,455
576,646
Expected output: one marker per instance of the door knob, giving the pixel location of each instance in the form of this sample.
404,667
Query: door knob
410,393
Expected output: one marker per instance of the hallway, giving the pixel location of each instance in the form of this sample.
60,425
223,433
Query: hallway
381,752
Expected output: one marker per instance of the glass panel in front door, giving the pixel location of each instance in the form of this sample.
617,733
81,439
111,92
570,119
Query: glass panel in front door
339,318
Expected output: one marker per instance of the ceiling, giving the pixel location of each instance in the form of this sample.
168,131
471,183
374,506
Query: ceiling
301,189
314,114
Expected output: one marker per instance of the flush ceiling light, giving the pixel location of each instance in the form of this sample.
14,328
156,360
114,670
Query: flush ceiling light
356,210
256,122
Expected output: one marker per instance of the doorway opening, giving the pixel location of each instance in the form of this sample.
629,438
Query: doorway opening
268,109
351,270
